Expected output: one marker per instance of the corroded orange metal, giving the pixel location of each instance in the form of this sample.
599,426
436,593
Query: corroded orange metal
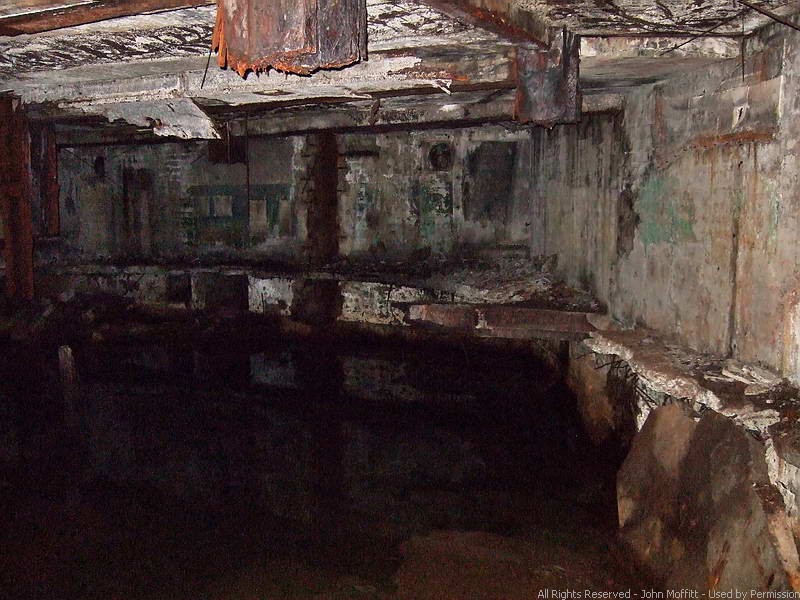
293,36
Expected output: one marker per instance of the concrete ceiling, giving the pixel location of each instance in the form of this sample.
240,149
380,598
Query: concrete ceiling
636,17
150,69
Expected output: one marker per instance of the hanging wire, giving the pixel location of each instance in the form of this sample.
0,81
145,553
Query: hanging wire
768,13
705,33
208,63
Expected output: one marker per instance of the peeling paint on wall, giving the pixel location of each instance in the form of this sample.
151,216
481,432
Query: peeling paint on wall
663,218
433,199
397,203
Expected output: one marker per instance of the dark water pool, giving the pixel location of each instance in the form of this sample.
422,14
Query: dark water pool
282,470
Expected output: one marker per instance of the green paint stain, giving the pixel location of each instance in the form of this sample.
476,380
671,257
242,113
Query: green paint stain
273,206
663,220
436,213
233,229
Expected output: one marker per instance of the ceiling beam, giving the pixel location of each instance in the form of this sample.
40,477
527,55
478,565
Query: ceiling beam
436,111
402,112
502,17
57,15
393,70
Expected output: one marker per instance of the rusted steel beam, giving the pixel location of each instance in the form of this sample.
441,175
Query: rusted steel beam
548,90
15,199
493,19
503,316
293,36
503,321
57,16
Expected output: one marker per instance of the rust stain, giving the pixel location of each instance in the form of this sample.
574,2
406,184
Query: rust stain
660,123
741,137
548,87
493,19
794,581
499,23
292,36
716,574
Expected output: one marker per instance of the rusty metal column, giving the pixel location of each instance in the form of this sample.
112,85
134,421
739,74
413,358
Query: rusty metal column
15,199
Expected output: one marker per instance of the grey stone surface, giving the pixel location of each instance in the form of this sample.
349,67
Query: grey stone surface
647,488
696,506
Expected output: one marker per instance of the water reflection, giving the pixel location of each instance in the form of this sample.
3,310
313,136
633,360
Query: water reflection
166,468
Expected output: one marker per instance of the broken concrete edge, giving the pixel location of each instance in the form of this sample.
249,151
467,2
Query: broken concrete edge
697,509
664,382
647,46
392,302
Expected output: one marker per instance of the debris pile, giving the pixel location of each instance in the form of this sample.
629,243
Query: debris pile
511,280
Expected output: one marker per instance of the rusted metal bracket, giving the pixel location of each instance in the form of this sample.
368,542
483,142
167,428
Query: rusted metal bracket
548,89
293,36
15,199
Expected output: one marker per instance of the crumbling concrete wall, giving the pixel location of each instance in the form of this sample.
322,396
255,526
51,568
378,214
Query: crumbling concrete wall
173,200
697,507
440,192
400,195
679,212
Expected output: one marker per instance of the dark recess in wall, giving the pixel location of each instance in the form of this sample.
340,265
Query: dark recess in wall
229,150
137,191
322,217
627,222
440,156
489,181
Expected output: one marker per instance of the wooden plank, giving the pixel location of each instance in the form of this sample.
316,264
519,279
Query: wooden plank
15,199
58,15
293,36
